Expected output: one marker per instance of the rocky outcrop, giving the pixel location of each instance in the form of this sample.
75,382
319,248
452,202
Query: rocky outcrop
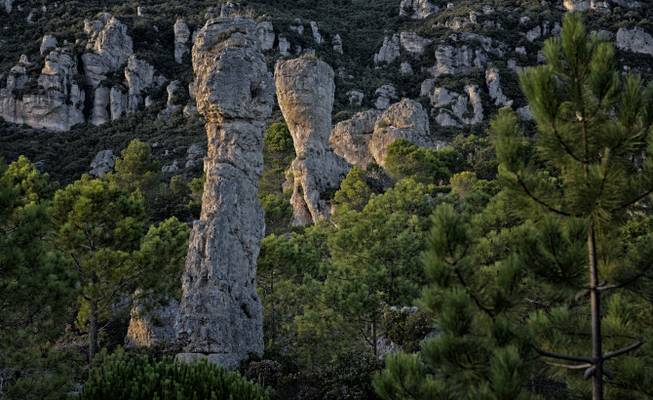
350,139
265,33
385,95
406,120
109,48
8,5
174,91
182,36
493,82
390,50
102,163
57,103
315,30
48,43
366,137
221,317
417,9
355,98
413,43
636,40
337,44
305,92
457,60
454,109
153,327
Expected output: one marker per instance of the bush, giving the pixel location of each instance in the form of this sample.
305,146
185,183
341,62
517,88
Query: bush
134,377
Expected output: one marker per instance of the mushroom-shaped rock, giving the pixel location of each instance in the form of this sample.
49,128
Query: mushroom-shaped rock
305,90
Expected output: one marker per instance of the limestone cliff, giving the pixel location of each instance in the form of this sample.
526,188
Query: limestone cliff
220,312
305,90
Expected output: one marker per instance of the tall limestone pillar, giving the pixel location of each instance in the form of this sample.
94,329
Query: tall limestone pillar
221,317
305,90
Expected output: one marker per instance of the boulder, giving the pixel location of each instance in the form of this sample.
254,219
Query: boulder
182,36
350,139
406,120
337,44
315,30
385,95
48,43
390,50
305,93
355,98
636,40
102,163
265,34
220,314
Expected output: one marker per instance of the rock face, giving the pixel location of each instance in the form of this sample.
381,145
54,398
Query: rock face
109,48
58,102
366,137
305,90
413,43
389,51
493,82
48,43
455,109
417,9
404,120
221,317
102,163
636,40
350,139
8,5
265,33
152,328
182,36
386,94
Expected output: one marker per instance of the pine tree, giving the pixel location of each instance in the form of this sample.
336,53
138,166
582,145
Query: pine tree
585,171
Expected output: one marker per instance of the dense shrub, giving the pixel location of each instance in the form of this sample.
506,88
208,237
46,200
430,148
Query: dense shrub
122,376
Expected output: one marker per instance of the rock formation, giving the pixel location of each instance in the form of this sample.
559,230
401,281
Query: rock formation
221,317
58,102
265,33
152,327
413,43
493,82
389,51
350,139
48,43
453,109
182,36
102,163
406,120
417,9
636,40
305,90
385,95
366,137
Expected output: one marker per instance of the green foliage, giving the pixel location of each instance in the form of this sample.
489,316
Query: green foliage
134,377
423,164
36,288
354,192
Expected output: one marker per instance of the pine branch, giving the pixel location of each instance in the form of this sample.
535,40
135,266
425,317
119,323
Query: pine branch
623,350
539,201
562,356
632,202
567,366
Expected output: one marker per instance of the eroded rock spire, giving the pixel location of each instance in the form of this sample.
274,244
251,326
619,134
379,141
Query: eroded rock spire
221,317
305,91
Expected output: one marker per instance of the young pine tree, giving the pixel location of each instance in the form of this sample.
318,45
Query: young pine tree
588,168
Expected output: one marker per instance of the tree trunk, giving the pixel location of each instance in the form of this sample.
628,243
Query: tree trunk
595,299
92,332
